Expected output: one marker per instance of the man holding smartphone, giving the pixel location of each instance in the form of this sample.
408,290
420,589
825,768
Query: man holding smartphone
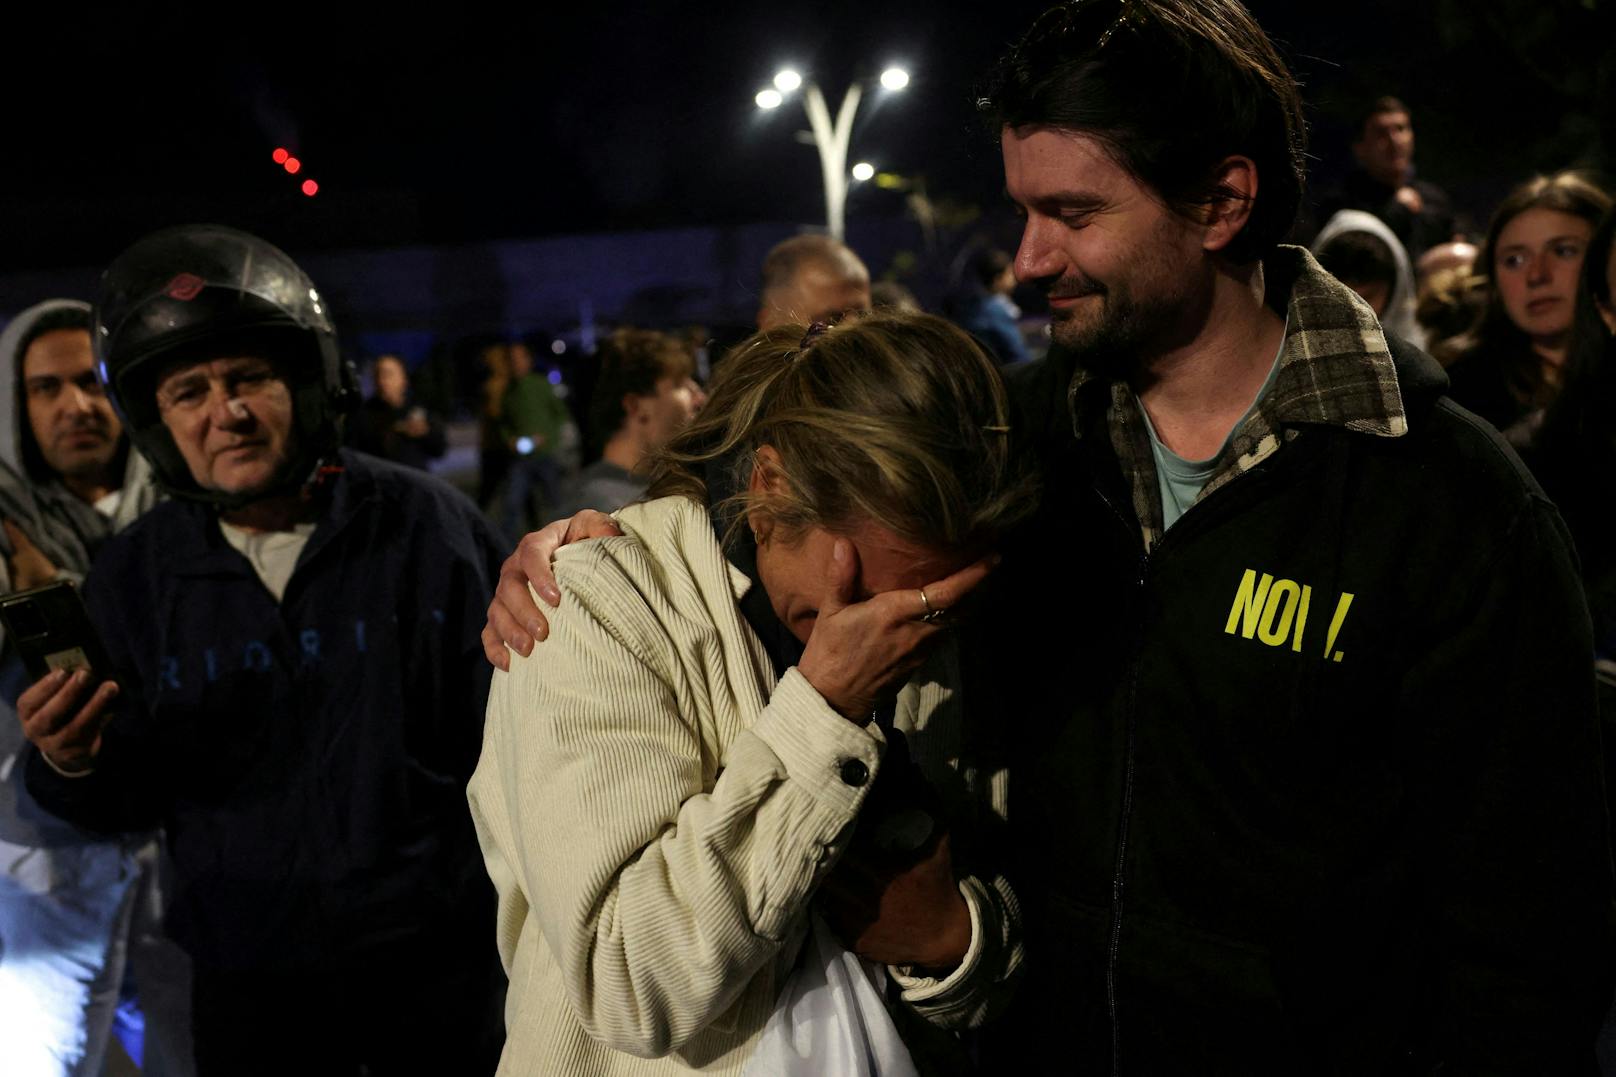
298,690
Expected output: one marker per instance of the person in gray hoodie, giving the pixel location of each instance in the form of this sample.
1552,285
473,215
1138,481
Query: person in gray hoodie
67,897
1360,251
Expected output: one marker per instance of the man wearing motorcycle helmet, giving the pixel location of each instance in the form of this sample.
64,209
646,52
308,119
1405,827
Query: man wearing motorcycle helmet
295,692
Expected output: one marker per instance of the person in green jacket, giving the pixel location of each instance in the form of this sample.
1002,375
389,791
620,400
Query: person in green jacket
532,419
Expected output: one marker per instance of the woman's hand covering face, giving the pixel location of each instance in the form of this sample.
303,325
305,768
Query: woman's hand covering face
861,651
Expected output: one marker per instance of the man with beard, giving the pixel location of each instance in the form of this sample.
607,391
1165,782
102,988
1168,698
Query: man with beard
1290,672
1306,768
67,897
66,457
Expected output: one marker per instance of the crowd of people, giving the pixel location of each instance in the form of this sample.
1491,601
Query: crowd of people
1219,692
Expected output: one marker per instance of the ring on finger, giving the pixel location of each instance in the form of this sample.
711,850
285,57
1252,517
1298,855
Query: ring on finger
932,614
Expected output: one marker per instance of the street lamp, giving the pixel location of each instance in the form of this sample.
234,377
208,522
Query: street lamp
863,171
831,139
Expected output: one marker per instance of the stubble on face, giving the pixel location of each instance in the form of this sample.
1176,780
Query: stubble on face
1120,320
241,444
72,422
1123,269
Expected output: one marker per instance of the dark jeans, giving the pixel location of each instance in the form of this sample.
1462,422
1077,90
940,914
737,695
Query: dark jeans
526,474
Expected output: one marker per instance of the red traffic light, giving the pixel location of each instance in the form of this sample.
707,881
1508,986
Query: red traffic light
281,154
292,164
310,188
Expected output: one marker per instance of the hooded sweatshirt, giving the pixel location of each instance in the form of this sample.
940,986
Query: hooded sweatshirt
1399,317
66,529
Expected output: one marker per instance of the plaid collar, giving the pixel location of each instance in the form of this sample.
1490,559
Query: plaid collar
1334,370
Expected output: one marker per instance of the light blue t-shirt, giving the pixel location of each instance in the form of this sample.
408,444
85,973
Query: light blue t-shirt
1181,480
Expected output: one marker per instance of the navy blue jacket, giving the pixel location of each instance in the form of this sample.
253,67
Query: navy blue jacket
307,759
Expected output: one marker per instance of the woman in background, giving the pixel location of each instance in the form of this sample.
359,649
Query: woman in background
1511,365
1574,452
392,426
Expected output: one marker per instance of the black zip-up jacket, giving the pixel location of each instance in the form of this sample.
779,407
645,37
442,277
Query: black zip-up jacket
1264,827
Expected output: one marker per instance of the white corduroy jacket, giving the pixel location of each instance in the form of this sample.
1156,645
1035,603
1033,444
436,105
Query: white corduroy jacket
656,811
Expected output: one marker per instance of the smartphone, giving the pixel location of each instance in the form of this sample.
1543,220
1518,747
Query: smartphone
51,630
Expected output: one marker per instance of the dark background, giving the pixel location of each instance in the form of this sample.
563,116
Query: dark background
471,124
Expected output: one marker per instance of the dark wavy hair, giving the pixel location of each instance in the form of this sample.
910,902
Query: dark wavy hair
1171,88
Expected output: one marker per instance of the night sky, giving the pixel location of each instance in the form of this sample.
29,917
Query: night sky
475,124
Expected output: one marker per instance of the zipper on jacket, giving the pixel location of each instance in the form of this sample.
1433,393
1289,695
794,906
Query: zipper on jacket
1142,572
1244,482
1123,824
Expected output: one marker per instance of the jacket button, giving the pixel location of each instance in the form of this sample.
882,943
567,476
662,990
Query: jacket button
854,772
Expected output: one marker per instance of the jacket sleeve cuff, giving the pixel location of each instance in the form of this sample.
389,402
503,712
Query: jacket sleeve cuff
924,989
83,772
823,753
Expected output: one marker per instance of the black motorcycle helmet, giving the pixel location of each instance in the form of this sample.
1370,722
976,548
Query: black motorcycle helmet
205,291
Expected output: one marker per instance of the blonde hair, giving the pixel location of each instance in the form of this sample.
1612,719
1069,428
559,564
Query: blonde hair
895,418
